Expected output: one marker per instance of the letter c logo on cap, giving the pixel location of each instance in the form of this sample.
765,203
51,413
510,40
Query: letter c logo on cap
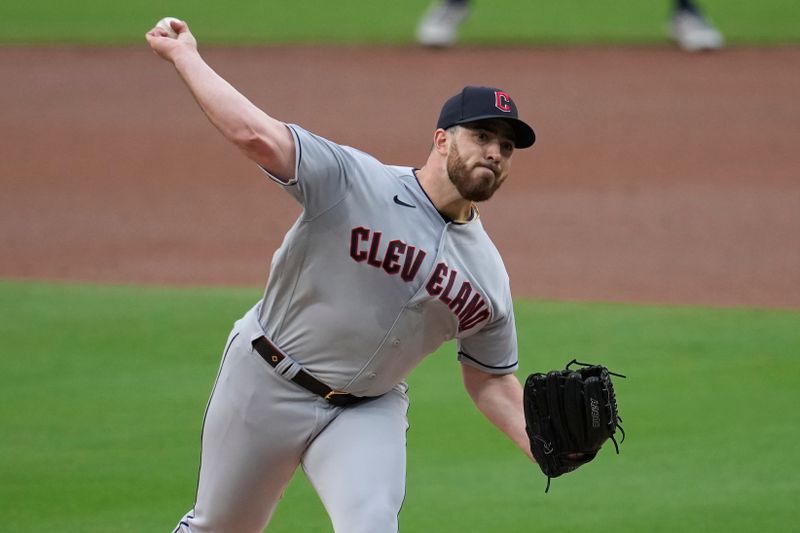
502,101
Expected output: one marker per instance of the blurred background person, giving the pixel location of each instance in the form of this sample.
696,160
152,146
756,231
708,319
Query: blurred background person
688,27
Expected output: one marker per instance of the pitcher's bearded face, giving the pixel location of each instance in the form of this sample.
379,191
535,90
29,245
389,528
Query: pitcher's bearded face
479,158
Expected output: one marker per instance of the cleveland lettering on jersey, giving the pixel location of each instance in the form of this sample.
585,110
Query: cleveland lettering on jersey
444,284
469,314
390,262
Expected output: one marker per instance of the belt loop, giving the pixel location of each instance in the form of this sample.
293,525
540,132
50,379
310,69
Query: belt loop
288,368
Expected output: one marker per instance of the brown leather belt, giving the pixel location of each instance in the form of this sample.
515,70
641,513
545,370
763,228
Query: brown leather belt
272,355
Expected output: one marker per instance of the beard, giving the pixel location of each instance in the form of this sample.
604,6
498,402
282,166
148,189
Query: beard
470,188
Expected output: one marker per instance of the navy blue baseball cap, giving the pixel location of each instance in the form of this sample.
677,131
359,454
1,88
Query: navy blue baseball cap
482,103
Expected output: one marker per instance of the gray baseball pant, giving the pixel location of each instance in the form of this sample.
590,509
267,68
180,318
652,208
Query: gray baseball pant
259,427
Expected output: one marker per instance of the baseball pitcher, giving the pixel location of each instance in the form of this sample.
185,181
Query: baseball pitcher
384,264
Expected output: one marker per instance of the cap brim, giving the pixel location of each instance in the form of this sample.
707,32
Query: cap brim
524,136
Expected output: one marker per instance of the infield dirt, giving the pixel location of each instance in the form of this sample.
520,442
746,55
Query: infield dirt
657,177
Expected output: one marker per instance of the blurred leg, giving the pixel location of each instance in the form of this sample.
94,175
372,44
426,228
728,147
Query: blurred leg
440,23
691,30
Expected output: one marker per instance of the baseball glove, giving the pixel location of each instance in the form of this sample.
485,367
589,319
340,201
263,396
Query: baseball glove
569,414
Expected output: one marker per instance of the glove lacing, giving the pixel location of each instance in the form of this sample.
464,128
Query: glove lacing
576,362
613,405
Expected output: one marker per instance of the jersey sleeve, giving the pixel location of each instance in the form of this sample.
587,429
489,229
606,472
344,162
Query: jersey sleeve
494,348
321,179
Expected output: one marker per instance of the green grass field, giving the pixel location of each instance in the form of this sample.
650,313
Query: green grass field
102,391
364,21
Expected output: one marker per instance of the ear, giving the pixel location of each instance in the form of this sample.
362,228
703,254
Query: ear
441,140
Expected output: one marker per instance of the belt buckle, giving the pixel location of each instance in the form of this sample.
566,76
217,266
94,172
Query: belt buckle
332,394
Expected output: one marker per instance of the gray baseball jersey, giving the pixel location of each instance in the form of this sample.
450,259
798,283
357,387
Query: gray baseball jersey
369,280
372,278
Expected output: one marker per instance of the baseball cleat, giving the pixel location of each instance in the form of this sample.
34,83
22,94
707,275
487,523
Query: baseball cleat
693,33
439,25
